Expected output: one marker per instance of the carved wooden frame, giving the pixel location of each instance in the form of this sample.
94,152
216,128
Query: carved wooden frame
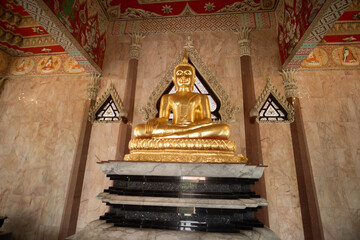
226,111
118,103
269,88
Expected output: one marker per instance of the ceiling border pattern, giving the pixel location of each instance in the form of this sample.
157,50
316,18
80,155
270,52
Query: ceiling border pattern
46,18
224,22
323,22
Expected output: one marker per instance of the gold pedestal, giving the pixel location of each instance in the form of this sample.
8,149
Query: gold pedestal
184,150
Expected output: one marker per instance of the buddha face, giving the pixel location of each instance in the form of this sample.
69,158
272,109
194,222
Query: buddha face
184,77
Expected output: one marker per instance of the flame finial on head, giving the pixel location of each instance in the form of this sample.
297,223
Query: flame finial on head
185,59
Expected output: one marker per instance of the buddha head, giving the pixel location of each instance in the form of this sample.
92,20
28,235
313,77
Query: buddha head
184,75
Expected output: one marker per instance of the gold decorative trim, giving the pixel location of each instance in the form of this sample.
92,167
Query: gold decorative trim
187,12
16,19
93,86
135,13
347,28
184,156
290,83
15,52
117,100
244,6
28,22
269,88
161,1
9,16
227,111
184,150
354,6
10,37
194,144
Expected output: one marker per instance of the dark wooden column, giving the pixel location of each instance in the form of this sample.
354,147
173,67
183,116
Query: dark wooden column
307,193
129,97
252,131
73,196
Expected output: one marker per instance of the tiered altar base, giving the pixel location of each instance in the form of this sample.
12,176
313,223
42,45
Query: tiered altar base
149,200
100,230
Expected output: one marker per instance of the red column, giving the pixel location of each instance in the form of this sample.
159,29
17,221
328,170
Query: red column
307,193
252,131
129,97
73,196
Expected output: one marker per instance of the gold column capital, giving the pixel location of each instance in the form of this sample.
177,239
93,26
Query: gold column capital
135,44
93,86
290,83
244,41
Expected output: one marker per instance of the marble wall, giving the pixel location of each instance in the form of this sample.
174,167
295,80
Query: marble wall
331,112
39,128
104,136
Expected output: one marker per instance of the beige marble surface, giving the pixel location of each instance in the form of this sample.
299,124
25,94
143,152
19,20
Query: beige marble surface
240,203
330,104
39,127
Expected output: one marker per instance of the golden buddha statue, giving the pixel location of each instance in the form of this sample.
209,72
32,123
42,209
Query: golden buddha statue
191,136
191,111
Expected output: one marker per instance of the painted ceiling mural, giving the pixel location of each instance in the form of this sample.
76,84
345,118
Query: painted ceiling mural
86,22
145,9
340,47
20,34
294,18
347,28
331,56
58,64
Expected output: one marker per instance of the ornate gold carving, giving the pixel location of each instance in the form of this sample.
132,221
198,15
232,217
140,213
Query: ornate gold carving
290,83
354,6
93,86
188,143
267,4
187,11
347,28
15,52
183,150
184,156
9,16
227,111
244,41
160,1
115,96
135,45
135,13
28,22
10,37
269,88
244,6
16,19
26,42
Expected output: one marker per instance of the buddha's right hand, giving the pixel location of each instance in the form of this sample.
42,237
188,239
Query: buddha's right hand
153,123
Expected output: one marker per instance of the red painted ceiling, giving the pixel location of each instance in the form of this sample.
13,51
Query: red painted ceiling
337,36
130,9
26,32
